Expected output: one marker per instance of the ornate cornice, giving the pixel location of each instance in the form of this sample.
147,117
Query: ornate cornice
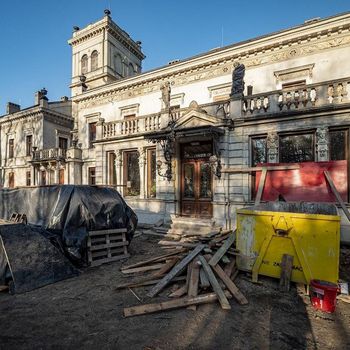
106,24
252,54
34,112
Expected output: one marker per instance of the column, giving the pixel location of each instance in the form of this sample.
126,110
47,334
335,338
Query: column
142,163
322,144
119,170
272,147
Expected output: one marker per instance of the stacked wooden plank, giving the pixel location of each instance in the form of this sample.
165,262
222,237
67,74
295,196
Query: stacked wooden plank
104,246
204,272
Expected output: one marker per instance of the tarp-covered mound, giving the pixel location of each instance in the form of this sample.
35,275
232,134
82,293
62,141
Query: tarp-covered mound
28,260
70,212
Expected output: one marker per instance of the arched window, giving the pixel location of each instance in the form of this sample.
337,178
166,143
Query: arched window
118,64
131,69
94,60
84,64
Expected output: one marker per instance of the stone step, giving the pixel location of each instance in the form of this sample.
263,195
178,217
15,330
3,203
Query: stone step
193,226
189,232
191,221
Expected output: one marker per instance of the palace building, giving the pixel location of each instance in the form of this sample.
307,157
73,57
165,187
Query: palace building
167,137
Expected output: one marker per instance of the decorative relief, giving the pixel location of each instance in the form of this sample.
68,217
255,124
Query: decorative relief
118,158
142,156
272,147
322,144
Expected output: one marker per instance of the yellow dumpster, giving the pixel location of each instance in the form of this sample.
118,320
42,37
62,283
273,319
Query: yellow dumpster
310,232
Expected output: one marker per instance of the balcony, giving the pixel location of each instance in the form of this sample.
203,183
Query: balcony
49,154
309,97
139,125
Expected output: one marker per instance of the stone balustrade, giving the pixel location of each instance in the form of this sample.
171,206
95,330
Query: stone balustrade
49,154
280,101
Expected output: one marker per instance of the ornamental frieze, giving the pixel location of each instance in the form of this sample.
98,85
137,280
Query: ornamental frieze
219,69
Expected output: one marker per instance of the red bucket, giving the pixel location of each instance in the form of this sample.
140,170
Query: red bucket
323,295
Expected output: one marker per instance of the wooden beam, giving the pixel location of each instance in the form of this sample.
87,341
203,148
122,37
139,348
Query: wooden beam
223,249
229,268
193,282
336,194
166,267
230,285
215,284
171,304
146,282
286,272
144,268
203,279
175,271
156,259
261,186
258,168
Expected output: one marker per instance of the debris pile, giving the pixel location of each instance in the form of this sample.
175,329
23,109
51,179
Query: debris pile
206,269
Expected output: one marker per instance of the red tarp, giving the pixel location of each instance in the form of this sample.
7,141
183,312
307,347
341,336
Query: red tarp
305,184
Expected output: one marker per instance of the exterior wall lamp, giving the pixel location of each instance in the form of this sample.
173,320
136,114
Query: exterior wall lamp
216,166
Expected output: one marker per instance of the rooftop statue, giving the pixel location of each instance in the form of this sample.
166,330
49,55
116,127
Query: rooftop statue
237,79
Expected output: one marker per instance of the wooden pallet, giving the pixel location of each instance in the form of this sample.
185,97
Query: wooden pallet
19,218
105,246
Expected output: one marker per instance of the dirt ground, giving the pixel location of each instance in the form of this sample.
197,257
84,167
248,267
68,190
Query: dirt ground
86,312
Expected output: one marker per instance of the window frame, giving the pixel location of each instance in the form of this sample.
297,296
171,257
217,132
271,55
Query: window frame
11,178
253,174
150,183
92,176
298,133
94,61
29,145
126,154
90,134
61,138
84,64
112,171
11,148
28,178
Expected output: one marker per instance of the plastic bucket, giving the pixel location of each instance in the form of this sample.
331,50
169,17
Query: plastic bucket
323,295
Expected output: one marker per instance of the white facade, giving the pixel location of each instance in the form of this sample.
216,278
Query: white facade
296,81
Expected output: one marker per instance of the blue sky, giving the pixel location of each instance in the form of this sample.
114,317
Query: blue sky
34,33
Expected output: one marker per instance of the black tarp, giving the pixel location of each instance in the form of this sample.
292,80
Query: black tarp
31,260
69,212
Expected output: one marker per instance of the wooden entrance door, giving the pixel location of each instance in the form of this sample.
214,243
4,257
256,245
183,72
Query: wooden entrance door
196,180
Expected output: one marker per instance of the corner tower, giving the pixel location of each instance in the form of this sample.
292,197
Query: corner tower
101,53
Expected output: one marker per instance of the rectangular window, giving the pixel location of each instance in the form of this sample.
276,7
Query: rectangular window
131,173
112,174
259,154
62,143
338,141
11,179
11,148
28,178
296,148
92,133
29,145
92,176
151,172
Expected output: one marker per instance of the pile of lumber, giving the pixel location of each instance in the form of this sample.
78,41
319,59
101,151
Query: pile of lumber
203,272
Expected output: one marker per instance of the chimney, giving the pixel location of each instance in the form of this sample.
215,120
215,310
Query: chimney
40,97
12,108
